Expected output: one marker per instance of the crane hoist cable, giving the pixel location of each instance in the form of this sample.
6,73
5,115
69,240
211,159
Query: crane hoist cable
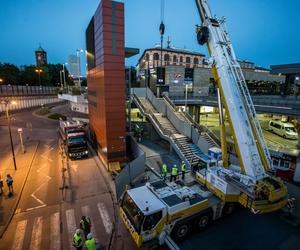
162,32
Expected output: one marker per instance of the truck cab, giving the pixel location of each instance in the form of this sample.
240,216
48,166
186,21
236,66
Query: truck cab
143,214
73,135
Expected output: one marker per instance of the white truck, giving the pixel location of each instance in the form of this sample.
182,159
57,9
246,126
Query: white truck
157,210
74,136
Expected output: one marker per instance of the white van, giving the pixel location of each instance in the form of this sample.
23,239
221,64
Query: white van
284,129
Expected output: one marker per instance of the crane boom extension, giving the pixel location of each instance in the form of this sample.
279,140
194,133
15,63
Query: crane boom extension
252,151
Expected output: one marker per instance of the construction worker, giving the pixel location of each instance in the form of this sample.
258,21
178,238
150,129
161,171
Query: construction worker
290,205
9,182
77,240
1,186
164,171
90,242
85,225
183,169
174,172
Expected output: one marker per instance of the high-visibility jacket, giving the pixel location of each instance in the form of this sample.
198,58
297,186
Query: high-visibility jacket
183,167
77,240
90,244
174,170
85,224
164,169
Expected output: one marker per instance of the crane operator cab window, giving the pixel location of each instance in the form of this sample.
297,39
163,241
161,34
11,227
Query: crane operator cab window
151,221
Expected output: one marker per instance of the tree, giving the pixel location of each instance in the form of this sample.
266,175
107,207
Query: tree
27,74
10,74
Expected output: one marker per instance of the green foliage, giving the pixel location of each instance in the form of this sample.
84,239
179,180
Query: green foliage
43,111
50,75
75,91
57,116
9,73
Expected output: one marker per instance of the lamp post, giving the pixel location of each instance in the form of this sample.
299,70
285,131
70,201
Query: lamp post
64,75
39,71
1,81
186,97
6,103
78,51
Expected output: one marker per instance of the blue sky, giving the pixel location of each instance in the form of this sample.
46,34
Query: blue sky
263,31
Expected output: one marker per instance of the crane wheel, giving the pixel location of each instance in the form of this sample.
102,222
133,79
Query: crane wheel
203,221
181,230
228,209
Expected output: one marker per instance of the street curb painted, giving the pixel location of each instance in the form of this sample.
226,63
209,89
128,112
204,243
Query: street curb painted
20,194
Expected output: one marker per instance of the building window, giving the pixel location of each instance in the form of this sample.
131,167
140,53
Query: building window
181,59
156,56
166,57
147,57
196,61
175,59
188,59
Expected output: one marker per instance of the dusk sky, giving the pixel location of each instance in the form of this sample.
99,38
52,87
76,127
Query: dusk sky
263,31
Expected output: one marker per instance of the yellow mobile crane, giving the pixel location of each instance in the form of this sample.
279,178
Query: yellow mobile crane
161,211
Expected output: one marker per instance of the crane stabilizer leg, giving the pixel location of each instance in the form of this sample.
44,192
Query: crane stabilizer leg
262,191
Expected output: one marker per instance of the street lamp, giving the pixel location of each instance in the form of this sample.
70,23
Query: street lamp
1,80
39,71
64,74
7,103
78,51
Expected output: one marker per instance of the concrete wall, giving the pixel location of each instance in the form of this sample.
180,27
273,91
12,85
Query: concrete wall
171,72
132,170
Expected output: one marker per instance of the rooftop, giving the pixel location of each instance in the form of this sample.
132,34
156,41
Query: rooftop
173,50
40,49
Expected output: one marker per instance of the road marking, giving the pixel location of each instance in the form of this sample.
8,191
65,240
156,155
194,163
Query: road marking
75,167
71,224
86,212
46,158
36,237
19,235
55,231
105,218
43,204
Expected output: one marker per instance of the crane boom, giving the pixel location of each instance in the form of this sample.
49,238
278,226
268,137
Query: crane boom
253,153
251,148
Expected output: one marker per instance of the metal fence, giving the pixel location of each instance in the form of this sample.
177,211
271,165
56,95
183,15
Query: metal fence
25,102
25,90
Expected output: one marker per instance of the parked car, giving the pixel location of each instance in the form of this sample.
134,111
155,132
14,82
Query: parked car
284,129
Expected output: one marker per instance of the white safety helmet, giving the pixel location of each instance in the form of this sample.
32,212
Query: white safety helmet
89,236
78,231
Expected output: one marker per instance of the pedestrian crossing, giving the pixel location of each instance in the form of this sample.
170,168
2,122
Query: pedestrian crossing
55,230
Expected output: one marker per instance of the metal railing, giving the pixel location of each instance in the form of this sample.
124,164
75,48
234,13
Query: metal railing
202,129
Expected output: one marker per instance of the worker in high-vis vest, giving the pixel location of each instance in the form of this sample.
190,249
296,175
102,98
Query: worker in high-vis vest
174,173
164,171
90,243
77,240
183,169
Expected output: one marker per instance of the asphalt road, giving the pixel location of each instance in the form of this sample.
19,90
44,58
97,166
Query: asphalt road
246,231
46,217
274,141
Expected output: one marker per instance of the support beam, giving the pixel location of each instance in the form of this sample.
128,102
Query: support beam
197,113
222,131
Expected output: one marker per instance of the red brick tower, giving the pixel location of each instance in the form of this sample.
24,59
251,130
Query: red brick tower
106,80
40,56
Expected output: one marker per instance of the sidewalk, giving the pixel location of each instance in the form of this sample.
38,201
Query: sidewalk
8,205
